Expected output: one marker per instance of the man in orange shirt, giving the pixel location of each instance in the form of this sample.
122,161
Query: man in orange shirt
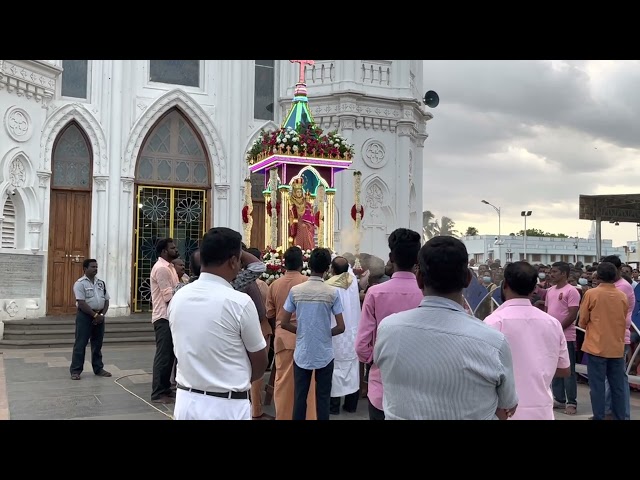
261,286
285,342
603,314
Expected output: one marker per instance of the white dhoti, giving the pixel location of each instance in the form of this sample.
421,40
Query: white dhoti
346,367
346,377
196,406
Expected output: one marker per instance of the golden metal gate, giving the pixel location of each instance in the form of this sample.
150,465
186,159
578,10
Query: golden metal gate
178,213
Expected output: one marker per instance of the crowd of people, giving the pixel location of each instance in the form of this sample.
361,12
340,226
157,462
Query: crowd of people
399,334
561,291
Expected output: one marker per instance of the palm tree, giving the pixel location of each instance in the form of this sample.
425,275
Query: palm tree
427,225
447,227
431,228
471,232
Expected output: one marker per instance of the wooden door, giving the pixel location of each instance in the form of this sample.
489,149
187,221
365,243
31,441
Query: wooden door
258,234
69,233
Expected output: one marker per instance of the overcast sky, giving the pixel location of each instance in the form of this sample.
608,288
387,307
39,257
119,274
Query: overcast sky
531,135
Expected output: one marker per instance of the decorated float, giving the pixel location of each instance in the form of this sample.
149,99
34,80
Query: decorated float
299,162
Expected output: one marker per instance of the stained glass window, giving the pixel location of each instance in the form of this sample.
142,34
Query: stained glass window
175,72
173,154
264,90
75,78
72,160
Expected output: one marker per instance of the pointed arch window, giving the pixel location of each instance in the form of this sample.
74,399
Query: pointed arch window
173,154
72,159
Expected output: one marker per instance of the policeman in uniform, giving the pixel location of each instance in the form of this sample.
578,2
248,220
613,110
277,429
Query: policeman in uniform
93,302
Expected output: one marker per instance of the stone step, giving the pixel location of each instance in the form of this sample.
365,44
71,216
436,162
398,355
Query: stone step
52,324
68,342
114,331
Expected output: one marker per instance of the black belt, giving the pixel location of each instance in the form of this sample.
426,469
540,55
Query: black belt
232,395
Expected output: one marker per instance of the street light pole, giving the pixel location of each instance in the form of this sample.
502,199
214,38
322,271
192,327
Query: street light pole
525,214
499,242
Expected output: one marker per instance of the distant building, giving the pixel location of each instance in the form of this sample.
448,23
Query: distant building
539,249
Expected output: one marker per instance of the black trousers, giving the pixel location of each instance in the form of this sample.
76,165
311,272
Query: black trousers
350,403
301,384
85,331
374,413
163,360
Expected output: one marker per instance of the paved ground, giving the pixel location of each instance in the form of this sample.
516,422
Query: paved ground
35,385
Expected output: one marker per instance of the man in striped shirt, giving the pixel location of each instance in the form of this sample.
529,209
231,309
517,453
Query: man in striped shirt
437,362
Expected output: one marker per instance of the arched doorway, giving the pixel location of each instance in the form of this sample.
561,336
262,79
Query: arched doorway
173,184
69,217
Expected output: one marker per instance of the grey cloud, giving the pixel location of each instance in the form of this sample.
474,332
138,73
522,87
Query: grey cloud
555,97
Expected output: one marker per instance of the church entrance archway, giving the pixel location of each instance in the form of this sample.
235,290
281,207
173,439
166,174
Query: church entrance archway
173,194
69,217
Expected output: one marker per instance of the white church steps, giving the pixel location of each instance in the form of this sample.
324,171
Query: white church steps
51,332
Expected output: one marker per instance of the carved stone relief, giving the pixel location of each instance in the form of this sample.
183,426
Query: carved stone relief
17,173
18,124
373,153
374,200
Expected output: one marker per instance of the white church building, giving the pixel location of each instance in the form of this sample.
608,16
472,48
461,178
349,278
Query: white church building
99,158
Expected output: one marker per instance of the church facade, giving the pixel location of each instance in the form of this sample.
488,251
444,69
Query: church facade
99,158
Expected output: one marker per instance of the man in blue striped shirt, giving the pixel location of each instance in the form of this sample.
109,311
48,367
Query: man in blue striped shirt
438,362
313,302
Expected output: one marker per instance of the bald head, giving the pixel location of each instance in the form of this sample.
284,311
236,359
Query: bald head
339,265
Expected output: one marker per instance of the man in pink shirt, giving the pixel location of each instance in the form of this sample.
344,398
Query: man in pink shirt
163,281
625,287
393,296
562,303
538,345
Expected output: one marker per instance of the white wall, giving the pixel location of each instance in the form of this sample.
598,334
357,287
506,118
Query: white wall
26,88
375,104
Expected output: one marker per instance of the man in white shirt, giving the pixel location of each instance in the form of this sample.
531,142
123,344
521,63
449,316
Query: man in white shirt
216,336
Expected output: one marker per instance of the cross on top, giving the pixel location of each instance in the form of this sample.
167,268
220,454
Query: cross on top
303,66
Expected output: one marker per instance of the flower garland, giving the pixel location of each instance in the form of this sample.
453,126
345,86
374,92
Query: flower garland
270,208
320,215
303,141
357,180
273,259
247,211
273,184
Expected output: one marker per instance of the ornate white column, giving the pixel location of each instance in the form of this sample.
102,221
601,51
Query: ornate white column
99,241
116,278
221,205
344,186
402,176
44,179
126,241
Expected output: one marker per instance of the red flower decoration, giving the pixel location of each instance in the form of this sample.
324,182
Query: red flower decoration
353,212
269,207
245,214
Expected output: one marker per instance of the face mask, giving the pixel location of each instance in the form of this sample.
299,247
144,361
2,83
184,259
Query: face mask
583,281
542,276
486,279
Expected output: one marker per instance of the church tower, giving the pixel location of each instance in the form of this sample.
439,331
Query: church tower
376,104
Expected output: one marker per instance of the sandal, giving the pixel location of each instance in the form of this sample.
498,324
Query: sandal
75,376
570,410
